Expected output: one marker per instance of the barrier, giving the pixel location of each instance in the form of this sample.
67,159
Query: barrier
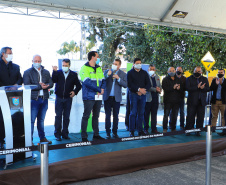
43,148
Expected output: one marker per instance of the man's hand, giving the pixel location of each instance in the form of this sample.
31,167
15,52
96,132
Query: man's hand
178,86
109,72
139,93
44,86
175,86
116,76
54,68
72,94
217,81
142,90
202,86
102,91
199,85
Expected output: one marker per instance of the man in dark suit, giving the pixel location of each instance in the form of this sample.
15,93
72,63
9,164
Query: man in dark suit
115,80
152,101
172,87
9,75
197,87
218,100
65,90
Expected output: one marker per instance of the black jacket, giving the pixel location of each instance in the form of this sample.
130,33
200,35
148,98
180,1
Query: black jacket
31,77
171,95
183,80
214,87
138,80
64,87
10,74
193,90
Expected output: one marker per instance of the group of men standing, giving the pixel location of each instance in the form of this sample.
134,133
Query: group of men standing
144,89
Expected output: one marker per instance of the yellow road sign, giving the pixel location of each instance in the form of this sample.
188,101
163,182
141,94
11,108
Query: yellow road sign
208,61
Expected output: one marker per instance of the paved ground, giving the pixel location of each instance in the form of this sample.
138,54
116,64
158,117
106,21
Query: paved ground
190,173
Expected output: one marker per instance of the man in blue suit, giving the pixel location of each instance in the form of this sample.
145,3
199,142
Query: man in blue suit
115,80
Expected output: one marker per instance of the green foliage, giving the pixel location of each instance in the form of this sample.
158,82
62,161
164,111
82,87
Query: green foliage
159,45
66,48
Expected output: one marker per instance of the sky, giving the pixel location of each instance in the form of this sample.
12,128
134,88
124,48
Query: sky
28,35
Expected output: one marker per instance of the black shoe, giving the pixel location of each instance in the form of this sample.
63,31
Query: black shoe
45,140
97,137
115,135
108,136
131,134
146,132
141,133
58,139
66,137
222,134
187,134
197,134
85,140
155,132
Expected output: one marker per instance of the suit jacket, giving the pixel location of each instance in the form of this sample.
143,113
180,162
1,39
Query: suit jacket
118,85
193,90
153,89
214,87
10,74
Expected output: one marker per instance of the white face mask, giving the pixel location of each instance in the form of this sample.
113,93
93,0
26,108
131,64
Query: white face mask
114,67
65,69
36,65
151,73
137,66
9,58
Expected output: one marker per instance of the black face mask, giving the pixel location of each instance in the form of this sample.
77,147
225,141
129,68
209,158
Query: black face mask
220,75
178,73
197,74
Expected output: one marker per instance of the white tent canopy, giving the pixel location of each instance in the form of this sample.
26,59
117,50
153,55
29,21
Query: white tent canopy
205,15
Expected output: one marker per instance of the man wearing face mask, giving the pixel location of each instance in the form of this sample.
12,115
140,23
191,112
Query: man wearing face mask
179,73
172,87
152,101
138,84
9,75
115,80
93,85
218,100
65,90
197,87
37,75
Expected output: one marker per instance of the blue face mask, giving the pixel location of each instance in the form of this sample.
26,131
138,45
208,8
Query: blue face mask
98,61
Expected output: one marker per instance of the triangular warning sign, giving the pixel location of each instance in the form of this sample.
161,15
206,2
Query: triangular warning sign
208,61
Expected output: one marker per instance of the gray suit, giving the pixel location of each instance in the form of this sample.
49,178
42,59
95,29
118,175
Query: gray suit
153,89
118,85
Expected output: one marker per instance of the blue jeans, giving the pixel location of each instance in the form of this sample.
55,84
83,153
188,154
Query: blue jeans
38,110
109,104
62,109
137,107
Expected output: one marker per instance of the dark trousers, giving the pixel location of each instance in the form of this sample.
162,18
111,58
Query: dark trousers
151,108
2,128
137,107
127,110
173,108
181,111
94,107
192,111
62,109
109,104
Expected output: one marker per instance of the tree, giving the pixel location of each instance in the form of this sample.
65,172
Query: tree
184,48
67,48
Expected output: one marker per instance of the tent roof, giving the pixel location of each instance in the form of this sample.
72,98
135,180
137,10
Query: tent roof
205,15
